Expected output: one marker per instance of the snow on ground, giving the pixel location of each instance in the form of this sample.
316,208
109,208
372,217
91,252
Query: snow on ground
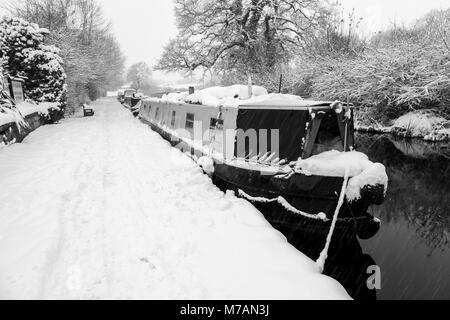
112,93
103,208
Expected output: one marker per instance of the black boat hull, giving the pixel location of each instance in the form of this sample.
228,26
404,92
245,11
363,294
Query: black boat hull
310,194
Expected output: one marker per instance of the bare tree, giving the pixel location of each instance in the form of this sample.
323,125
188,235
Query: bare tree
434,27
256,32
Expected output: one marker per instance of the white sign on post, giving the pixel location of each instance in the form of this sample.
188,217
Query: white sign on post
17,91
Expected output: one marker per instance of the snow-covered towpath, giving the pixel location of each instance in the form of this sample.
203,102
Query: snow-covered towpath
103,208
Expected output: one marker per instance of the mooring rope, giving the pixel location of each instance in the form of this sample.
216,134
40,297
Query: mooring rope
324,254
283,202
321,216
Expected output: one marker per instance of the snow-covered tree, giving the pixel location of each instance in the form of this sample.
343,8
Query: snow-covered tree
139,75
24,54
46,77
93,60
246,34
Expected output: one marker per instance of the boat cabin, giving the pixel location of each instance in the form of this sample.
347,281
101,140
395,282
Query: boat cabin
269,131
305,128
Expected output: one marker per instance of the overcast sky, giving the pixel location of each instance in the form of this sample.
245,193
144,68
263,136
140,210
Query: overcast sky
143,27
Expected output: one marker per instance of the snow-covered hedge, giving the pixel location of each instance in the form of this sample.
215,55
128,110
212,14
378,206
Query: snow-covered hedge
393,80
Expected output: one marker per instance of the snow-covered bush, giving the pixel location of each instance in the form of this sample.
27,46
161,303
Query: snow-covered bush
400,70
23,54
422,124
46,77
394,80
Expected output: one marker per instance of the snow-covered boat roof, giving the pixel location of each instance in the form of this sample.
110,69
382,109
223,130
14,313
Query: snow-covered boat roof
284,104
286,101
237,96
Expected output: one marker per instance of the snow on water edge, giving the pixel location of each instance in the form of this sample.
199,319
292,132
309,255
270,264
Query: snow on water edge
423,124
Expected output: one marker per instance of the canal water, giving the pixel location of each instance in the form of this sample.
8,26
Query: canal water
412,248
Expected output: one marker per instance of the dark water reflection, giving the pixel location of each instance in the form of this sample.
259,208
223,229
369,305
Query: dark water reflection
346,261
412,247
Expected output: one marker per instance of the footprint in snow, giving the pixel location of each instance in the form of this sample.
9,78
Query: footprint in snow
146,261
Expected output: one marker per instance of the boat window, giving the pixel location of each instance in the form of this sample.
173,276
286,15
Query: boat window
174,115
213,124
190,121
157,114
165,116
329,135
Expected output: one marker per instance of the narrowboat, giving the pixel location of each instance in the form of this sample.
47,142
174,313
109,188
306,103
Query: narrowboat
131,100
275,149
125,95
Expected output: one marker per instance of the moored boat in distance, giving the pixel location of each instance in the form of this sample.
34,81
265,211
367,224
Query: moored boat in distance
130,99
275,149
124,95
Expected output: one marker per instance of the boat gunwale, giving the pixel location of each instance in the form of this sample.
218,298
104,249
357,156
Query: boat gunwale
307,105
232,164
